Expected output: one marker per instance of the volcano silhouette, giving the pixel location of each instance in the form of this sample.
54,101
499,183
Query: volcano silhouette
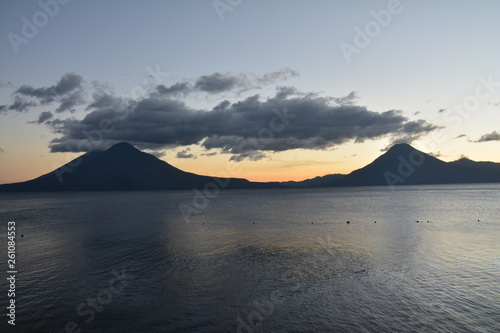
123,167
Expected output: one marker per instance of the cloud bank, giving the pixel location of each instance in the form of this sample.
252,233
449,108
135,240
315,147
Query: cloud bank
493,136
248,128
68,92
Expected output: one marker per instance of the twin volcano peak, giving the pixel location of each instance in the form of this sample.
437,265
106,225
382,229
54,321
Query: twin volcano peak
124,167
127,148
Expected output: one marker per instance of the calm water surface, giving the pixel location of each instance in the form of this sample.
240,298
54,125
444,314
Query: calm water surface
257,261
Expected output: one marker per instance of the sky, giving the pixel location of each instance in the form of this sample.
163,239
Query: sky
282,90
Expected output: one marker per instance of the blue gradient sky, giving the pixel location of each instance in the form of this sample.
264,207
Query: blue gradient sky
429,57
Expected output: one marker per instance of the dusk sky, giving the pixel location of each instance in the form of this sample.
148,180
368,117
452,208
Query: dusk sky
288,90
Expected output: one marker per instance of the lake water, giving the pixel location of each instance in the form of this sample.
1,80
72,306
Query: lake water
257,260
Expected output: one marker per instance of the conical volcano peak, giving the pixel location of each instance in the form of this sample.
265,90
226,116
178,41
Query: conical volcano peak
401,147
123,147
124,167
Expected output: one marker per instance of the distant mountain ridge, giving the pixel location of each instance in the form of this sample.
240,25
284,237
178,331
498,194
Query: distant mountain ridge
314,182
404,165
123,167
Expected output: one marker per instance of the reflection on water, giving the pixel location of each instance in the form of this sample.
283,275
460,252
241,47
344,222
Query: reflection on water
274,260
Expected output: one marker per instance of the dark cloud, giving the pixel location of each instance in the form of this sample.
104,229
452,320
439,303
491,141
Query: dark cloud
45,95
441,110
44,116
68,91
411,131
69,102
417,127
249,128
246,129
460,136
218,83
102,96
221,106
21,105
54,124
416,113
282,74
68,83
349,99
175,89
251,156
284,92
102,100
185,154
2,151
493,136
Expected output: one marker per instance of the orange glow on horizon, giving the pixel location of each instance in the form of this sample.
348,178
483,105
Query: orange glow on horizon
19,165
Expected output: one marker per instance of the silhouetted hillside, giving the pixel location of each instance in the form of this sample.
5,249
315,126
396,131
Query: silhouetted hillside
404,165
123,167
314,182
